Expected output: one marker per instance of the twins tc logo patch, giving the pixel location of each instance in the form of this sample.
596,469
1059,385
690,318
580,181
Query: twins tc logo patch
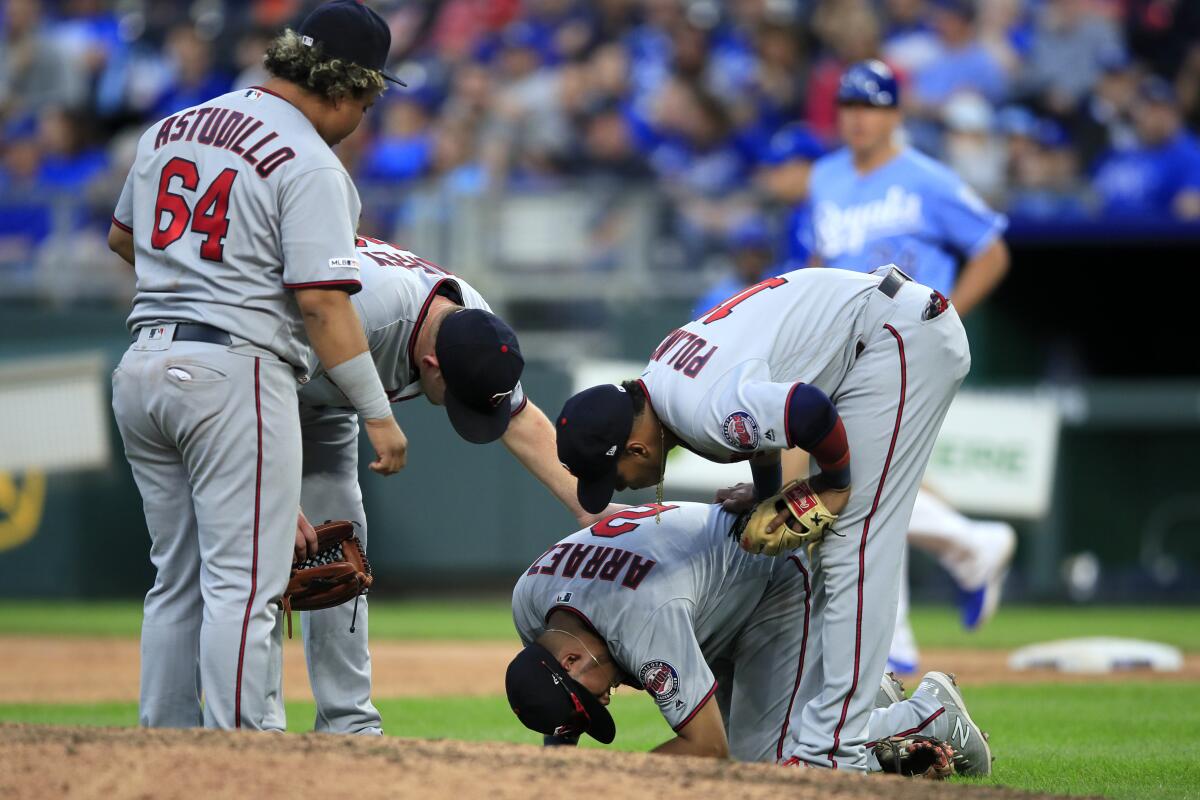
741,431
660,679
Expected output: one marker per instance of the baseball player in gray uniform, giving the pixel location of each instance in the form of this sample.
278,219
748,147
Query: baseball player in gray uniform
239,222
661,597
856,369
430,333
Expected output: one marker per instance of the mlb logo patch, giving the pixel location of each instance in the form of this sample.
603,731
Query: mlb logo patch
343,263
564,597
252,94
156,333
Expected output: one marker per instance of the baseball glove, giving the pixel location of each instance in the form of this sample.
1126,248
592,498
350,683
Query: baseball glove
915,756
810,519
338,573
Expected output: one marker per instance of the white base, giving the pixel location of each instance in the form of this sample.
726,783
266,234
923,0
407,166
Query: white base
1098,654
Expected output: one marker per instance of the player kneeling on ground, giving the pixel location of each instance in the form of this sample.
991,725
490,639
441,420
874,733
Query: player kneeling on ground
681,610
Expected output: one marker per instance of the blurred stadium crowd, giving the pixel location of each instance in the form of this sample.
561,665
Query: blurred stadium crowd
1054,110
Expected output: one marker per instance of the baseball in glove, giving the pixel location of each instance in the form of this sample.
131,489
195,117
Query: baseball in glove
809,521
338,573
915,756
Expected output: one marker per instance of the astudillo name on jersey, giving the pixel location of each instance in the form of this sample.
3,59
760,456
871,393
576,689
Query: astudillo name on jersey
229,130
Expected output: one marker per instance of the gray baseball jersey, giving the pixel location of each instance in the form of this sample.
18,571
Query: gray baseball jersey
689,616
721,382
398,287
668,598
230,203
891,362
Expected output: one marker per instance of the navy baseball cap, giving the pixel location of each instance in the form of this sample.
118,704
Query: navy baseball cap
548,700
350,31
869,83
962,8
593,428
481,362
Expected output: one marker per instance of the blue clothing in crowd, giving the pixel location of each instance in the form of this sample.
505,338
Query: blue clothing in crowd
970,68
1144,181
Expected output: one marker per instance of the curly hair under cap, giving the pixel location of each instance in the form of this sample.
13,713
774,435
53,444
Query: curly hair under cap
292,60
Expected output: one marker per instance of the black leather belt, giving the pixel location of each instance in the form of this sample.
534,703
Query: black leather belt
893,281
197,332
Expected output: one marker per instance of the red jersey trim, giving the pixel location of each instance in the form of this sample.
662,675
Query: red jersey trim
351,287
412,340
121,225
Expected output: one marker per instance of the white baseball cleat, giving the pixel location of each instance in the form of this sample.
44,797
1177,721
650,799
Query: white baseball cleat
995,543
972,751
891,691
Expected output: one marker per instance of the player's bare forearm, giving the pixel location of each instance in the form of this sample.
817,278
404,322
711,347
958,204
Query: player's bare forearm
795,464
334,330
531,439
703,736
121,242
980,276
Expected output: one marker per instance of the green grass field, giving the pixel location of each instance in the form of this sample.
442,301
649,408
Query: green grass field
1127,739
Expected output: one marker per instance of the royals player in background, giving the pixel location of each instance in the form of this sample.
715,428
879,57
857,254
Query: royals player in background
662,598
429,333
878,202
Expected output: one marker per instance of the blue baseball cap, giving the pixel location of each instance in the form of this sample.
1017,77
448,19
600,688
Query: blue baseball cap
593,428
751,233
481,363
350,31
793,141
869,83
1017,121
1156,89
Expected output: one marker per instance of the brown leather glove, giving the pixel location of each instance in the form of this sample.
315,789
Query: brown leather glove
338,573
916,756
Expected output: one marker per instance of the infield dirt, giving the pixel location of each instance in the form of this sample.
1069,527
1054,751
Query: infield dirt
87,670
42,762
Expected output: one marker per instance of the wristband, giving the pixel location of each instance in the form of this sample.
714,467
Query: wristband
767,478
359,381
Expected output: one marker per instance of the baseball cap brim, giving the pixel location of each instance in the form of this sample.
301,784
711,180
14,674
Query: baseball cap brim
596,493
393,79
478,427
602,728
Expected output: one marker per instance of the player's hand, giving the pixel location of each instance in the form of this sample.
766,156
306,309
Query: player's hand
306,538
390,443
834,499
736,499
587,520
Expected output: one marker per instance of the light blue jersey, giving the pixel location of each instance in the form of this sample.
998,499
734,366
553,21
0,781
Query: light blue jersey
912,212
